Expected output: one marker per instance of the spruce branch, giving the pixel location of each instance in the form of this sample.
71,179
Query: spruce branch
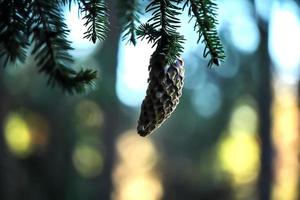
164,14
173,48
162,28
129,17
51,48
206,21
146,31
74,82
41,24
96,19
13,30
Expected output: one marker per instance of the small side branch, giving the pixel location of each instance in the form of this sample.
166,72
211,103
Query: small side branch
204,12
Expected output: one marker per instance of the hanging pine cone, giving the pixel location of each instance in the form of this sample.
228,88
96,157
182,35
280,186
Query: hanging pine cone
163,93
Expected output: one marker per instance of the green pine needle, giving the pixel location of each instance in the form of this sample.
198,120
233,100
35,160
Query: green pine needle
129,18
51,47
161,28
76,82
96,19
42,22
206,21
148,32
13,31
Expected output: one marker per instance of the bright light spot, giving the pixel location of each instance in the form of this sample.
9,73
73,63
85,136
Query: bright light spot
88,161
187,30
264,8
141,151
244,33
134,175
238,17
284,40
132,72
89,113
207,100
238,150
17,135
244,118
82,47
286,140
140,188
239,156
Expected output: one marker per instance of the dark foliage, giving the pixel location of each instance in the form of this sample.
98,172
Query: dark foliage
39,25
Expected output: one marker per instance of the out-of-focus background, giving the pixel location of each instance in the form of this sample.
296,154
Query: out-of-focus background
235,134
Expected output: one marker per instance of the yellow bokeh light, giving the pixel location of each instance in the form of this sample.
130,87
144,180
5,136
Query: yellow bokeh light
286,142
238,150
135,151
244,118
88,161
89,113
141,187
17,135
134,175
239,155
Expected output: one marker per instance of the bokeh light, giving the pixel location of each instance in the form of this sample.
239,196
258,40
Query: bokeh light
284,45
238,149
263,8
17,135
132,72
89,114
82,47
88,160
207,99
134,175
244,118
140,187
214,154
239,156
286,141
243,30
143,152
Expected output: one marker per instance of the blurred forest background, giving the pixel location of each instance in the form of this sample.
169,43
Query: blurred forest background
234,135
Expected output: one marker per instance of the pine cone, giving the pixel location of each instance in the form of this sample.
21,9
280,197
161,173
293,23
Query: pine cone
163,93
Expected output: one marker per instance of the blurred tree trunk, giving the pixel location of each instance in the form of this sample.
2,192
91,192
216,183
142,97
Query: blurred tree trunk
264,100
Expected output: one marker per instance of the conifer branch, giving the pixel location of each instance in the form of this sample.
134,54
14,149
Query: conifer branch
51,48
205,13
13,31
129,16
146,31
42,22
96,19
163,26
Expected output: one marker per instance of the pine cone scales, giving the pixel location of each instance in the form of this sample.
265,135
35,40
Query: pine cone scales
163,93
